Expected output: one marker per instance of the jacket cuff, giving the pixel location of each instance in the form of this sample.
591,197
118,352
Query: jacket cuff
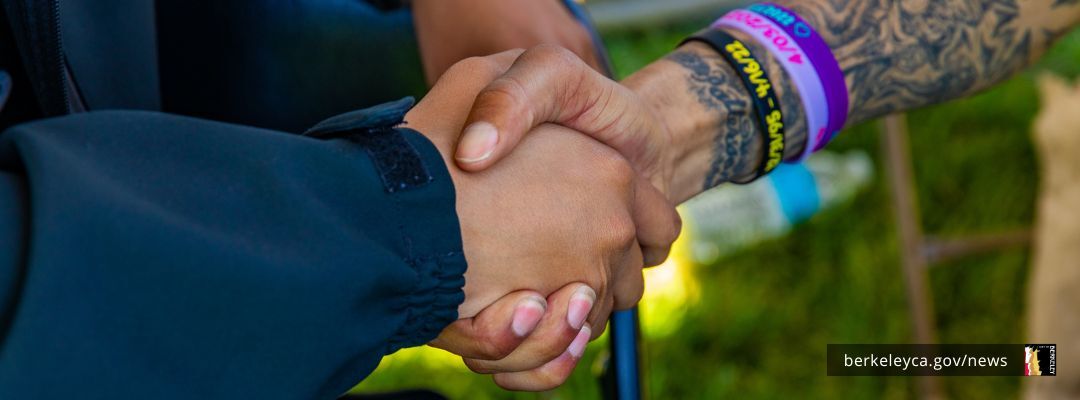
433,242
417,183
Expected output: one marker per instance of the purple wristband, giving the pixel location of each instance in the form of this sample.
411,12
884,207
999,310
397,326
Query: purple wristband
797,65
832,78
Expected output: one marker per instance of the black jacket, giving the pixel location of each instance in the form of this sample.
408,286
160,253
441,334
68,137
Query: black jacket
148,254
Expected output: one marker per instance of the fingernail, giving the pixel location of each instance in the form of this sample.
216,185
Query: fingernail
580,305
527,315
478,142
577,347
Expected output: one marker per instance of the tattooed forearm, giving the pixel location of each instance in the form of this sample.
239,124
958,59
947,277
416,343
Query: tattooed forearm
895,54
736,147
717,89
903,54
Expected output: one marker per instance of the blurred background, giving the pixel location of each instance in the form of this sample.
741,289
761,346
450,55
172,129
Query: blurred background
755,289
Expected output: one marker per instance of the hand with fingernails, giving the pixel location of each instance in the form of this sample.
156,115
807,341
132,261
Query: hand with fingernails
554,238
549,84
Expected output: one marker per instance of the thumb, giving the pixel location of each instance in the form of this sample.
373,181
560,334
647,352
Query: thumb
551,84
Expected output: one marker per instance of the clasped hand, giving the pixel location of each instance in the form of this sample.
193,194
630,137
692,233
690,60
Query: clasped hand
557,233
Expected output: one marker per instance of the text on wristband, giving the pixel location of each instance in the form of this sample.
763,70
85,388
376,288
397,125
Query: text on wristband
783,18
776,139
774,120
752,68
755,22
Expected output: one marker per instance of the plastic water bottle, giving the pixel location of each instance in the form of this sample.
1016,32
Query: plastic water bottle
732,217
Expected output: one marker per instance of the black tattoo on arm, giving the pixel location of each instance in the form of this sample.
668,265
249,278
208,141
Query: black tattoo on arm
718,90
895,54
903,54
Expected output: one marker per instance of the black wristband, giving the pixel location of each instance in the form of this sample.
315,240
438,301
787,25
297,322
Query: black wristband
766,105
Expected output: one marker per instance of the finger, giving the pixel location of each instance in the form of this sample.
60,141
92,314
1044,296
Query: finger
463,80
475,72
629,285
551,84
658,223
552,374
527,95
497,330
600,315
567,312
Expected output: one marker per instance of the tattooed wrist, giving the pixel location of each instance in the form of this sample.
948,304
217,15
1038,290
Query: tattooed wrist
794,116
716,88
736,139
707,110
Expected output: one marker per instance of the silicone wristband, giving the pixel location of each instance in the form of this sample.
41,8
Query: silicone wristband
832,78
797,65
756,79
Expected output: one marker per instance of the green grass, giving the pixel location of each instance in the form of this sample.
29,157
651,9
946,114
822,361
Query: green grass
764,316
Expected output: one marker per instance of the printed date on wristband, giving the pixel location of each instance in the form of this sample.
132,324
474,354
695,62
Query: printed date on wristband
941,360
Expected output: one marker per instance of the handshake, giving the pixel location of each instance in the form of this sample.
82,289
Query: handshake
566,185
145,250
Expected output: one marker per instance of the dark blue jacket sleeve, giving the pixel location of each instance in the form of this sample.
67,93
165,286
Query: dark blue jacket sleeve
144,255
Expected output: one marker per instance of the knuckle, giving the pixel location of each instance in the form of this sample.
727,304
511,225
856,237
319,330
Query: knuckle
614,167
624,174
676,228
622,231
556,56
495,347
503,90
